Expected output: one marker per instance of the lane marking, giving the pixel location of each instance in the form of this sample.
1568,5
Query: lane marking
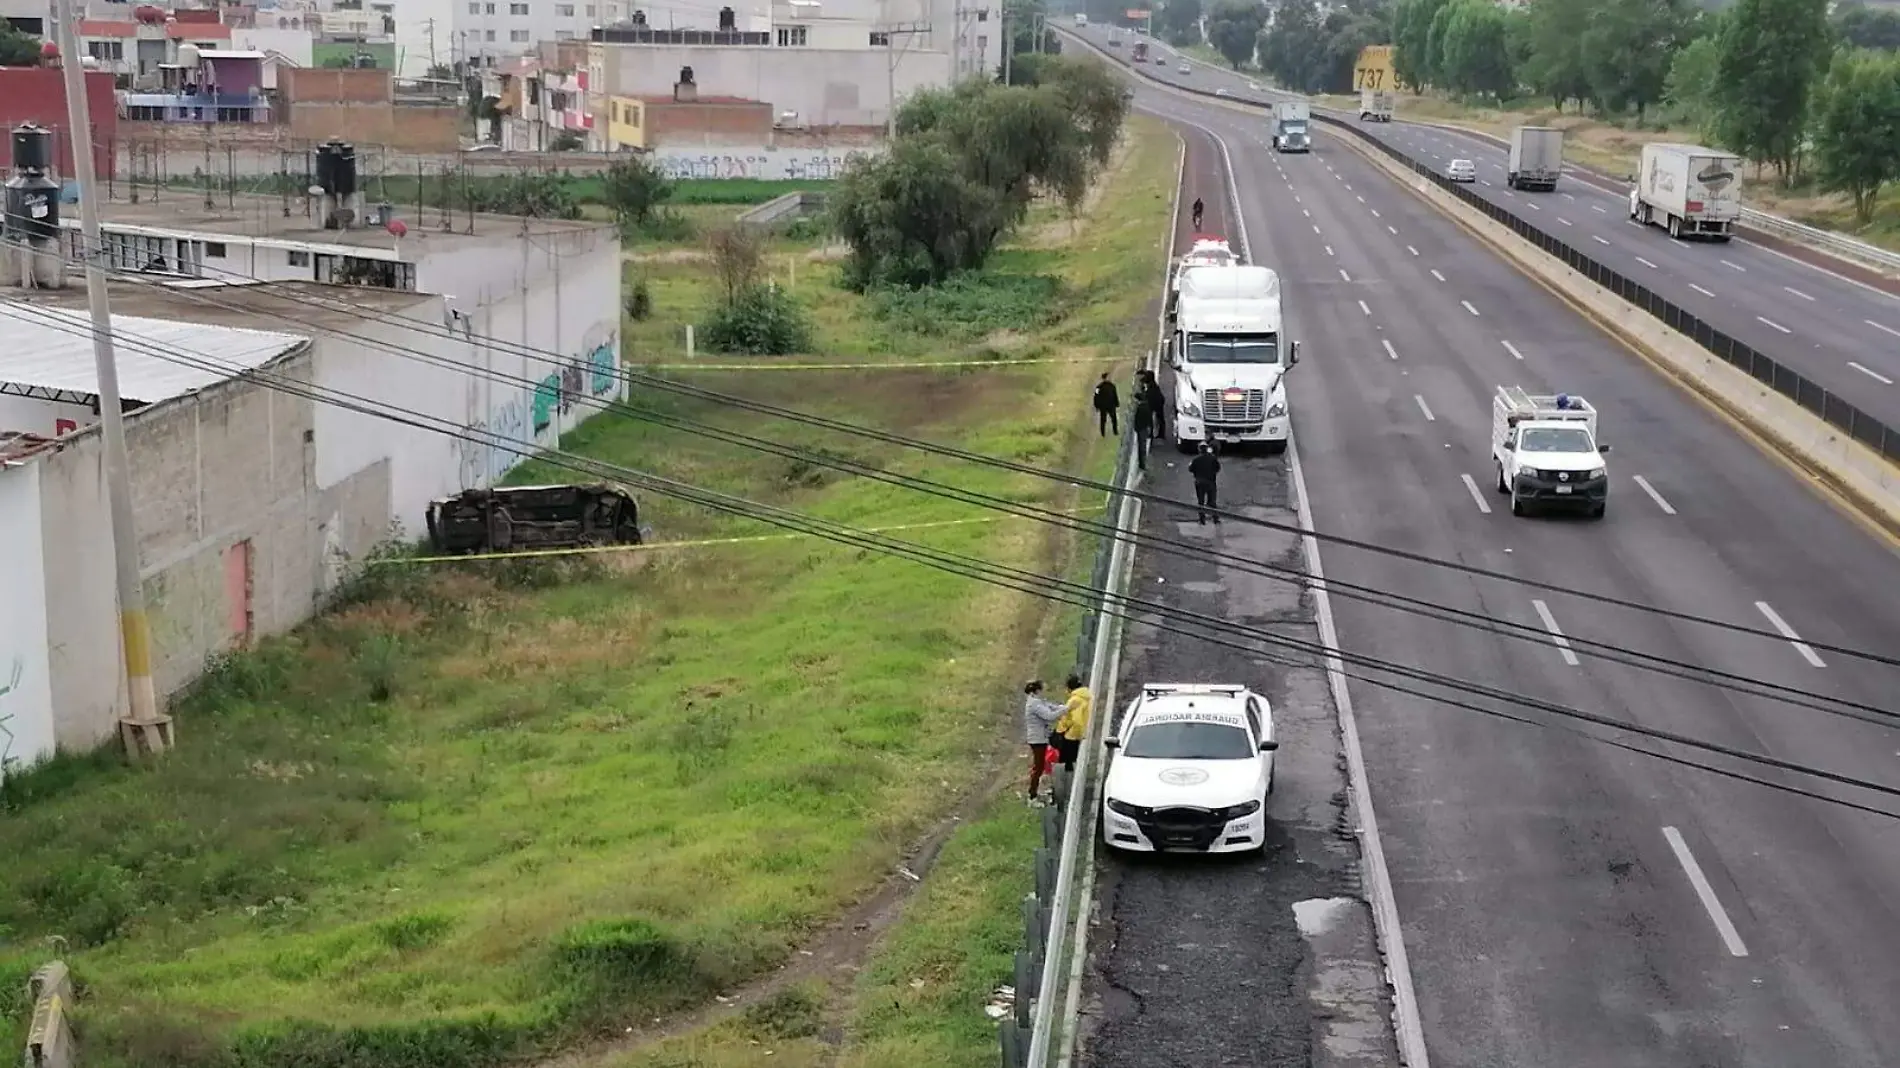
1329,250
1436,275
1797,292
1570,196
1599,208
1600,239
1710,904
1646,263
1775,620
1875,375
1414,252
1468,307
1306,213
1869,322
1534,207
1477,494
1344,275
1360,199
1393,229
1389,350
1737,266
1653,495
1556,632
1429,417
1376,215
1316,228
1699,289
1512,349
1565,221
1774,324
1364,308
1296,198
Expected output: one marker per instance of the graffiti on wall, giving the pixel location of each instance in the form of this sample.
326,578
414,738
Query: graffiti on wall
6,717
601,361
760,164
572,379
547,395
485,460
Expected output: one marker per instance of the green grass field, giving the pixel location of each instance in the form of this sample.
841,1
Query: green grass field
486,810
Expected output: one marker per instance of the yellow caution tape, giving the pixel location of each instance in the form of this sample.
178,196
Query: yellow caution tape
697,543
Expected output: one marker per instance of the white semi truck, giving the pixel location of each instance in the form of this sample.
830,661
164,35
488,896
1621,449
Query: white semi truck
1375,105
1546,452
1229,358
1688,190
1537,158
1292,126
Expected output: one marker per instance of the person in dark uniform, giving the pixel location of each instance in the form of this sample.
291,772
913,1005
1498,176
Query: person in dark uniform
1205,470
1144,421
1108,403
1197,213
1157,402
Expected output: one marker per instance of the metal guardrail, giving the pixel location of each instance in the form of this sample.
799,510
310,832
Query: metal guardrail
783,209
1833,408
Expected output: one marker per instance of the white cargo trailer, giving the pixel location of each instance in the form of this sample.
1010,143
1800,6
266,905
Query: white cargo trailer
1688,190
1537,158
1375,105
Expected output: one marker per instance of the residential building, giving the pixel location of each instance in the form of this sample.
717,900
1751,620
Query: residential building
139,51
541,108
651,123
38,95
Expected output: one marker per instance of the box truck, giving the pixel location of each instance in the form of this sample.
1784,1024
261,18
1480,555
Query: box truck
1537,158
1688,190
1291,126
1375,105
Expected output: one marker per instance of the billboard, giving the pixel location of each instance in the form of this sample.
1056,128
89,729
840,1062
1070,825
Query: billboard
1374,70
1138,15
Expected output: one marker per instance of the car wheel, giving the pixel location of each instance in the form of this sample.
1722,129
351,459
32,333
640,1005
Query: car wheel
1597,512
1675,228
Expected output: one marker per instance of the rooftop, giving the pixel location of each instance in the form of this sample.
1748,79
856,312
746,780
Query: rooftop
263,217
177,31
305,307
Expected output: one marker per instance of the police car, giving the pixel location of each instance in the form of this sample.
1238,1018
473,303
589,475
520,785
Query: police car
1190,770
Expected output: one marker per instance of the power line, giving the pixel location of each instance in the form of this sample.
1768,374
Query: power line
631,377
1121,606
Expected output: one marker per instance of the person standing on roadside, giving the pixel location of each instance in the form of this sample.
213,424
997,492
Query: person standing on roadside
1039,723
1205,470
1143,421
1073,725
1157,402
1108,403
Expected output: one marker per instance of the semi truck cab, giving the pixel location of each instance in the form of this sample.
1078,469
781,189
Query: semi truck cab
1230,359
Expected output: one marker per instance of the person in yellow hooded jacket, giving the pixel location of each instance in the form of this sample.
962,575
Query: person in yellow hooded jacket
1073,725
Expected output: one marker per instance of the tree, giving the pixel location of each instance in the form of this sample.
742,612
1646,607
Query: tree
17,49
1472,55
1412,55
1860,26
1770,54
1857,136
1234,28
633,189
1556,66
1179,22
1346,33
1292,50
1629,46
1691,87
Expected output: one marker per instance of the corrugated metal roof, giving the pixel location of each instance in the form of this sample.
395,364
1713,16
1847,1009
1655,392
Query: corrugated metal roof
51,348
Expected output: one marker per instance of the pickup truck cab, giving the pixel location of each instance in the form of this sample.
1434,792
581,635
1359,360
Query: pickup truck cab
1546,452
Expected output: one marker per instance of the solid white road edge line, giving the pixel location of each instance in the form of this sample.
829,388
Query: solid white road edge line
1420,398
1875,375
1477,494
1710,903
1556,632
1653,495
1775,620
1407,1023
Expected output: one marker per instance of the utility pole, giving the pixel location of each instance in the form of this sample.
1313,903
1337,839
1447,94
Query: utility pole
1006,42
892,53
431,28
144,730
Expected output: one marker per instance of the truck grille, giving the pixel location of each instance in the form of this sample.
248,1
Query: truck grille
1250,408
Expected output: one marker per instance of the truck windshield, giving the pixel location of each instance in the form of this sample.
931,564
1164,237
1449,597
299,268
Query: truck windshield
1188,741
1556,439
1242,348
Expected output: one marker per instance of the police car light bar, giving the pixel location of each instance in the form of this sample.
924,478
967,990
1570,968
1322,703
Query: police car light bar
1168,689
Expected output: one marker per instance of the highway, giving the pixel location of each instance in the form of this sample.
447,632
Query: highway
1563,902
1838,332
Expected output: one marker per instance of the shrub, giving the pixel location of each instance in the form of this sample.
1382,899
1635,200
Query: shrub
640,301
762,321
971,304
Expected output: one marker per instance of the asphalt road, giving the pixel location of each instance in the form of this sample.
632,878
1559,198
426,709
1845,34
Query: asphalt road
1564,902
1831,329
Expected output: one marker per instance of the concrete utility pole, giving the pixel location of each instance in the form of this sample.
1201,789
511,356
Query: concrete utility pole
892,53
144,730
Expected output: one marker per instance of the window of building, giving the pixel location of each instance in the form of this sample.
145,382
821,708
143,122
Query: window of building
566,11
474,9
297,258
106,50
214,249
488,35
880,40
517,36
983,14
590,11
791,37
564,35
488,9
517,9
982,45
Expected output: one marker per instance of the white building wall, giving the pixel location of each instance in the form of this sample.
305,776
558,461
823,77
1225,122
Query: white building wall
43,417
825,87
294,45
27,734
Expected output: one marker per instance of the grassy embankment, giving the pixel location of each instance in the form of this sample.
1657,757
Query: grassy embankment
1613,147
484,811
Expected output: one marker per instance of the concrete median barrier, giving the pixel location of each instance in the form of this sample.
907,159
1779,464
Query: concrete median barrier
49,1039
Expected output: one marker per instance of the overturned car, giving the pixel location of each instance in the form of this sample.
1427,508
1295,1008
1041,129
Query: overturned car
521,518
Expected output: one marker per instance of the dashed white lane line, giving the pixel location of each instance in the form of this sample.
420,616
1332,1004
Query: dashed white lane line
1699,289
1869,322
1364,307
1653,495
1646,263
1414,252
1316,228
1875,375
1296,198
1392,229
1570,196
1731,938
1512,349
1424,408
1468,307
1599,239
1484,181
1376,215
1780,624
1774,324
1389,350
1359,198
1436,275
1737,266
1533,207
1797,292
1306,213
1565,221
1599,208
1329,250
1343,275
1477,494
1556,632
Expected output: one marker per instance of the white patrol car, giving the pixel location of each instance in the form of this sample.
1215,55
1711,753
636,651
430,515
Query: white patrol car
1190,771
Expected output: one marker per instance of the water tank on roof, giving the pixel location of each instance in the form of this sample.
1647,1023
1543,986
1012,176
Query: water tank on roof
150,14
686,75
336,168
32,148
727,21
639,18
188,55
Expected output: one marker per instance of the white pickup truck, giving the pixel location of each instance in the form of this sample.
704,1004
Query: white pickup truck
1546,452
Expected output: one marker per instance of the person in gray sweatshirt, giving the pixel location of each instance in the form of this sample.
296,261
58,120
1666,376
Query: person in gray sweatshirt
1039,721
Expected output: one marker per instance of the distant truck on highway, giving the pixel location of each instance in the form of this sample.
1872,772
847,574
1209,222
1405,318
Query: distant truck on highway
1546,452
1537,158
1081,19
1140,53
1375,105
1689,190
1229,358
1292,121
